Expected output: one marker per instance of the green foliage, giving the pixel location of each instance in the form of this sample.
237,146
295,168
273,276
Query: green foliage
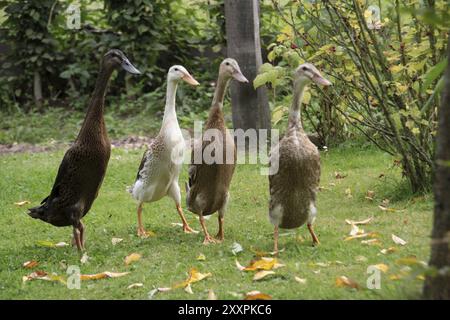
382,72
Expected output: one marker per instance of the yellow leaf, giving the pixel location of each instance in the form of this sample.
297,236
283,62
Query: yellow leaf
300,280
211,295
132,258
135,285
388,250
103,275
22,203
194,276
201,257
409,261
372,242
256,295
262,274
365,221
42,275
343,281
382,267
263,263
49,244
188,289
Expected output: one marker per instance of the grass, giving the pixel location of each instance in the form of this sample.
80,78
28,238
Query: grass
167,258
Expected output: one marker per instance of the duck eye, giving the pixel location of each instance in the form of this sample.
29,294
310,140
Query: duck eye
176,69
304,68
227,63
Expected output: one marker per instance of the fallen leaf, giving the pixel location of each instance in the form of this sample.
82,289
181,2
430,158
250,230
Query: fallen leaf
188,289
356,230
30,264
49,244
398,240
22,203
386,209
211,295
115,241
194,276
316,271
382,267
264,263
371,242
343,281
135,285
348,192
338,175
388,250
42,275
370,195
262,274
177,224
256,295
300,280
152,292
259,253
236,248
360,259
84,258
365,221
420,277
132,258
239,266
201,257
362,235
319,264
408,261
103,275
165,289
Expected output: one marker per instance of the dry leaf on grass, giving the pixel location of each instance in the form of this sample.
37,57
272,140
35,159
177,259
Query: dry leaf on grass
115,241
348,192
30,264
135,285
356,230
201,257
263,263
383,208
259,253
49,244
410,261
361,259
22,203
338,175
188,289
84,258
388,250
236,248
152,292
362,235
371,242
194,276
256,295
365,221
132,258
262,274
370,195
382,267
343,281
300,280
211,295
42,275
103,275
398,240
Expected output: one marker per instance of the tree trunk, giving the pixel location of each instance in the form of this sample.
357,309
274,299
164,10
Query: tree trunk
437,286
250,107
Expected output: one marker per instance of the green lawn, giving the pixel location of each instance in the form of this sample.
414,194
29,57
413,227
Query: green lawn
167,258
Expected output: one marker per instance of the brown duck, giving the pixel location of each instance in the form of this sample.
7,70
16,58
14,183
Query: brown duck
294,185
209,180
83,167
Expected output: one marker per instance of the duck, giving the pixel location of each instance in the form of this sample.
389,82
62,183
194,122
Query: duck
81,172
207,190
294,185
161,163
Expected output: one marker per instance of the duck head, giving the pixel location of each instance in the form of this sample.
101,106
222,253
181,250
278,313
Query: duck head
307,73
115,58
177,73
230,68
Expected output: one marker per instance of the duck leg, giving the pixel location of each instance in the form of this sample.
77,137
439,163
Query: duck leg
208,239
313,235
140,230
82,237
220,233
186,227
275,240
77,238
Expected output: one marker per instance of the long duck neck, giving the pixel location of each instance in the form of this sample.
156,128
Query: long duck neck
170,114
94,123
295,115
219,93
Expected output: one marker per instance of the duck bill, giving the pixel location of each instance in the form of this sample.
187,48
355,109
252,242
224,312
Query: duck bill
190,79
239,77
128,67
321,80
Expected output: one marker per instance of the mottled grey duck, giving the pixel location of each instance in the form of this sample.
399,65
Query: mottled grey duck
209,181
83,167
293,187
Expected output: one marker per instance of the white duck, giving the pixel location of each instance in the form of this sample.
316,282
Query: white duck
161,164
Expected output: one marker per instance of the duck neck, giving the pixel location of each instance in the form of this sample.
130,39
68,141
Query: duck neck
94,124
219,93
295,115
169,110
